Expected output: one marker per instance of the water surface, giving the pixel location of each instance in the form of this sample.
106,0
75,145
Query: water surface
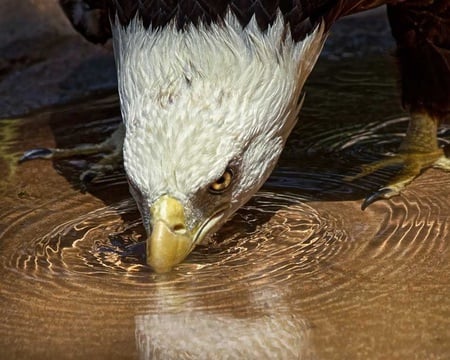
300,272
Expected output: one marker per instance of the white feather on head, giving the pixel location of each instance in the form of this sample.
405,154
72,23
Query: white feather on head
194,100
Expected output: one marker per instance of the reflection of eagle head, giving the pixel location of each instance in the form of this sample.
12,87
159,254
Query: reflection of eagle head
199,335
207,110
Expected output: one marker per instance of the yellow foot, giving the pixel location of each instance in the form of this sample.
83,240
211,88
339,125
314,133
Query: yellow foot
418,151
110,150
413,164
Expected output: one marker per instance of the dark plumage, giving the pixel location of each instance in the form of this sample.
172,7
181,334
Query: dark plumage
300,14
422,32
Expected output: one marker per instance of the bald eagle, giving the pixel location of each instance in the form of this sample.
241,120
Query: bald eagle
211,89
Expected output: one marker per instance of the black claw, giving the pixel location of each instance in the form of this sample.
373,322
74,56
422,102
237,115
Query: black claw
83,188
40,153
85,180
88,176
377,195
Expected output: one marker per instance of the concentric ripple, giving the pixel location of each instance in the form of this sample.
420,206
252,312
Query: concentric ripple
278,231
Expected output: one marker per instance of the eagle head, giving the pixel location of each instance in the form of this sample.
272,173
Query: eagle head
207,111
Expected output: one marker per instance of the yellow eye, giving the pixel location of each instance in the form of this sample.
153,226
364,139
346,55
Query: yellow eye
222,183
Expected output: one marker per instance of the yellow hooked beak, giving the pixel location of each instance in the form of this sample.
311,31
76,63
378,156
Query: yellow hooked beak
170,241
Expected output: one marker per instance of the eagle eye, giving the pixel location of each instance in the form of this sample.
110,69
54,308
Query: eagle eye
222,183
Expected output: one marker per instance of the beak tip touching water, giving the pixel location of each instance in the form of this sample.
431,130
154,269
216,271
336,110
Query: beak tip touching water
169,242
166,248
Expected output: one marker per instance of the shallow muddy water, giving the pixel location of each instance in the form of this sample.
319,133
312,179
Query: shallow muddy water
299,273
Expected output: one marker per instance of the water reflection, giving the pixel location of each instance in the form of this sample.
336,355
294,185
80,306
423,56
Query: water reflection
198,335
299,272
262,328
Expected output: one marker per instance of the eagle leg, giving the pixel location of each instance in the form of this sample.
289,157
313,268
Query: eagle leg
110,151
418,151
422,32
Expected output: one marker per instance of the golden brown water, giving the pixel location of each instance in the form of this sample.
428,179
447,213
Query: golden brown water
299,273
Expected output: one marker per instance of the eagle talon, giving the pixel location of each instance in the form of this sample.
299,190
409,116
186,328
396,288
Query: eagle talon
88,176
38,153
418,152
412,166
381,194
109,151
106,166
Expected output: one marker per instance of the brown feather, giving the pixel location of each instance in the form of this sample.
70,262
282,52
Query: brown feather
422,32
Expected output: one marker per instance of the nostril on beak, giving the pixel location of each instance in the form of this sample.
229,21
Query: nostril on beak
179,229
